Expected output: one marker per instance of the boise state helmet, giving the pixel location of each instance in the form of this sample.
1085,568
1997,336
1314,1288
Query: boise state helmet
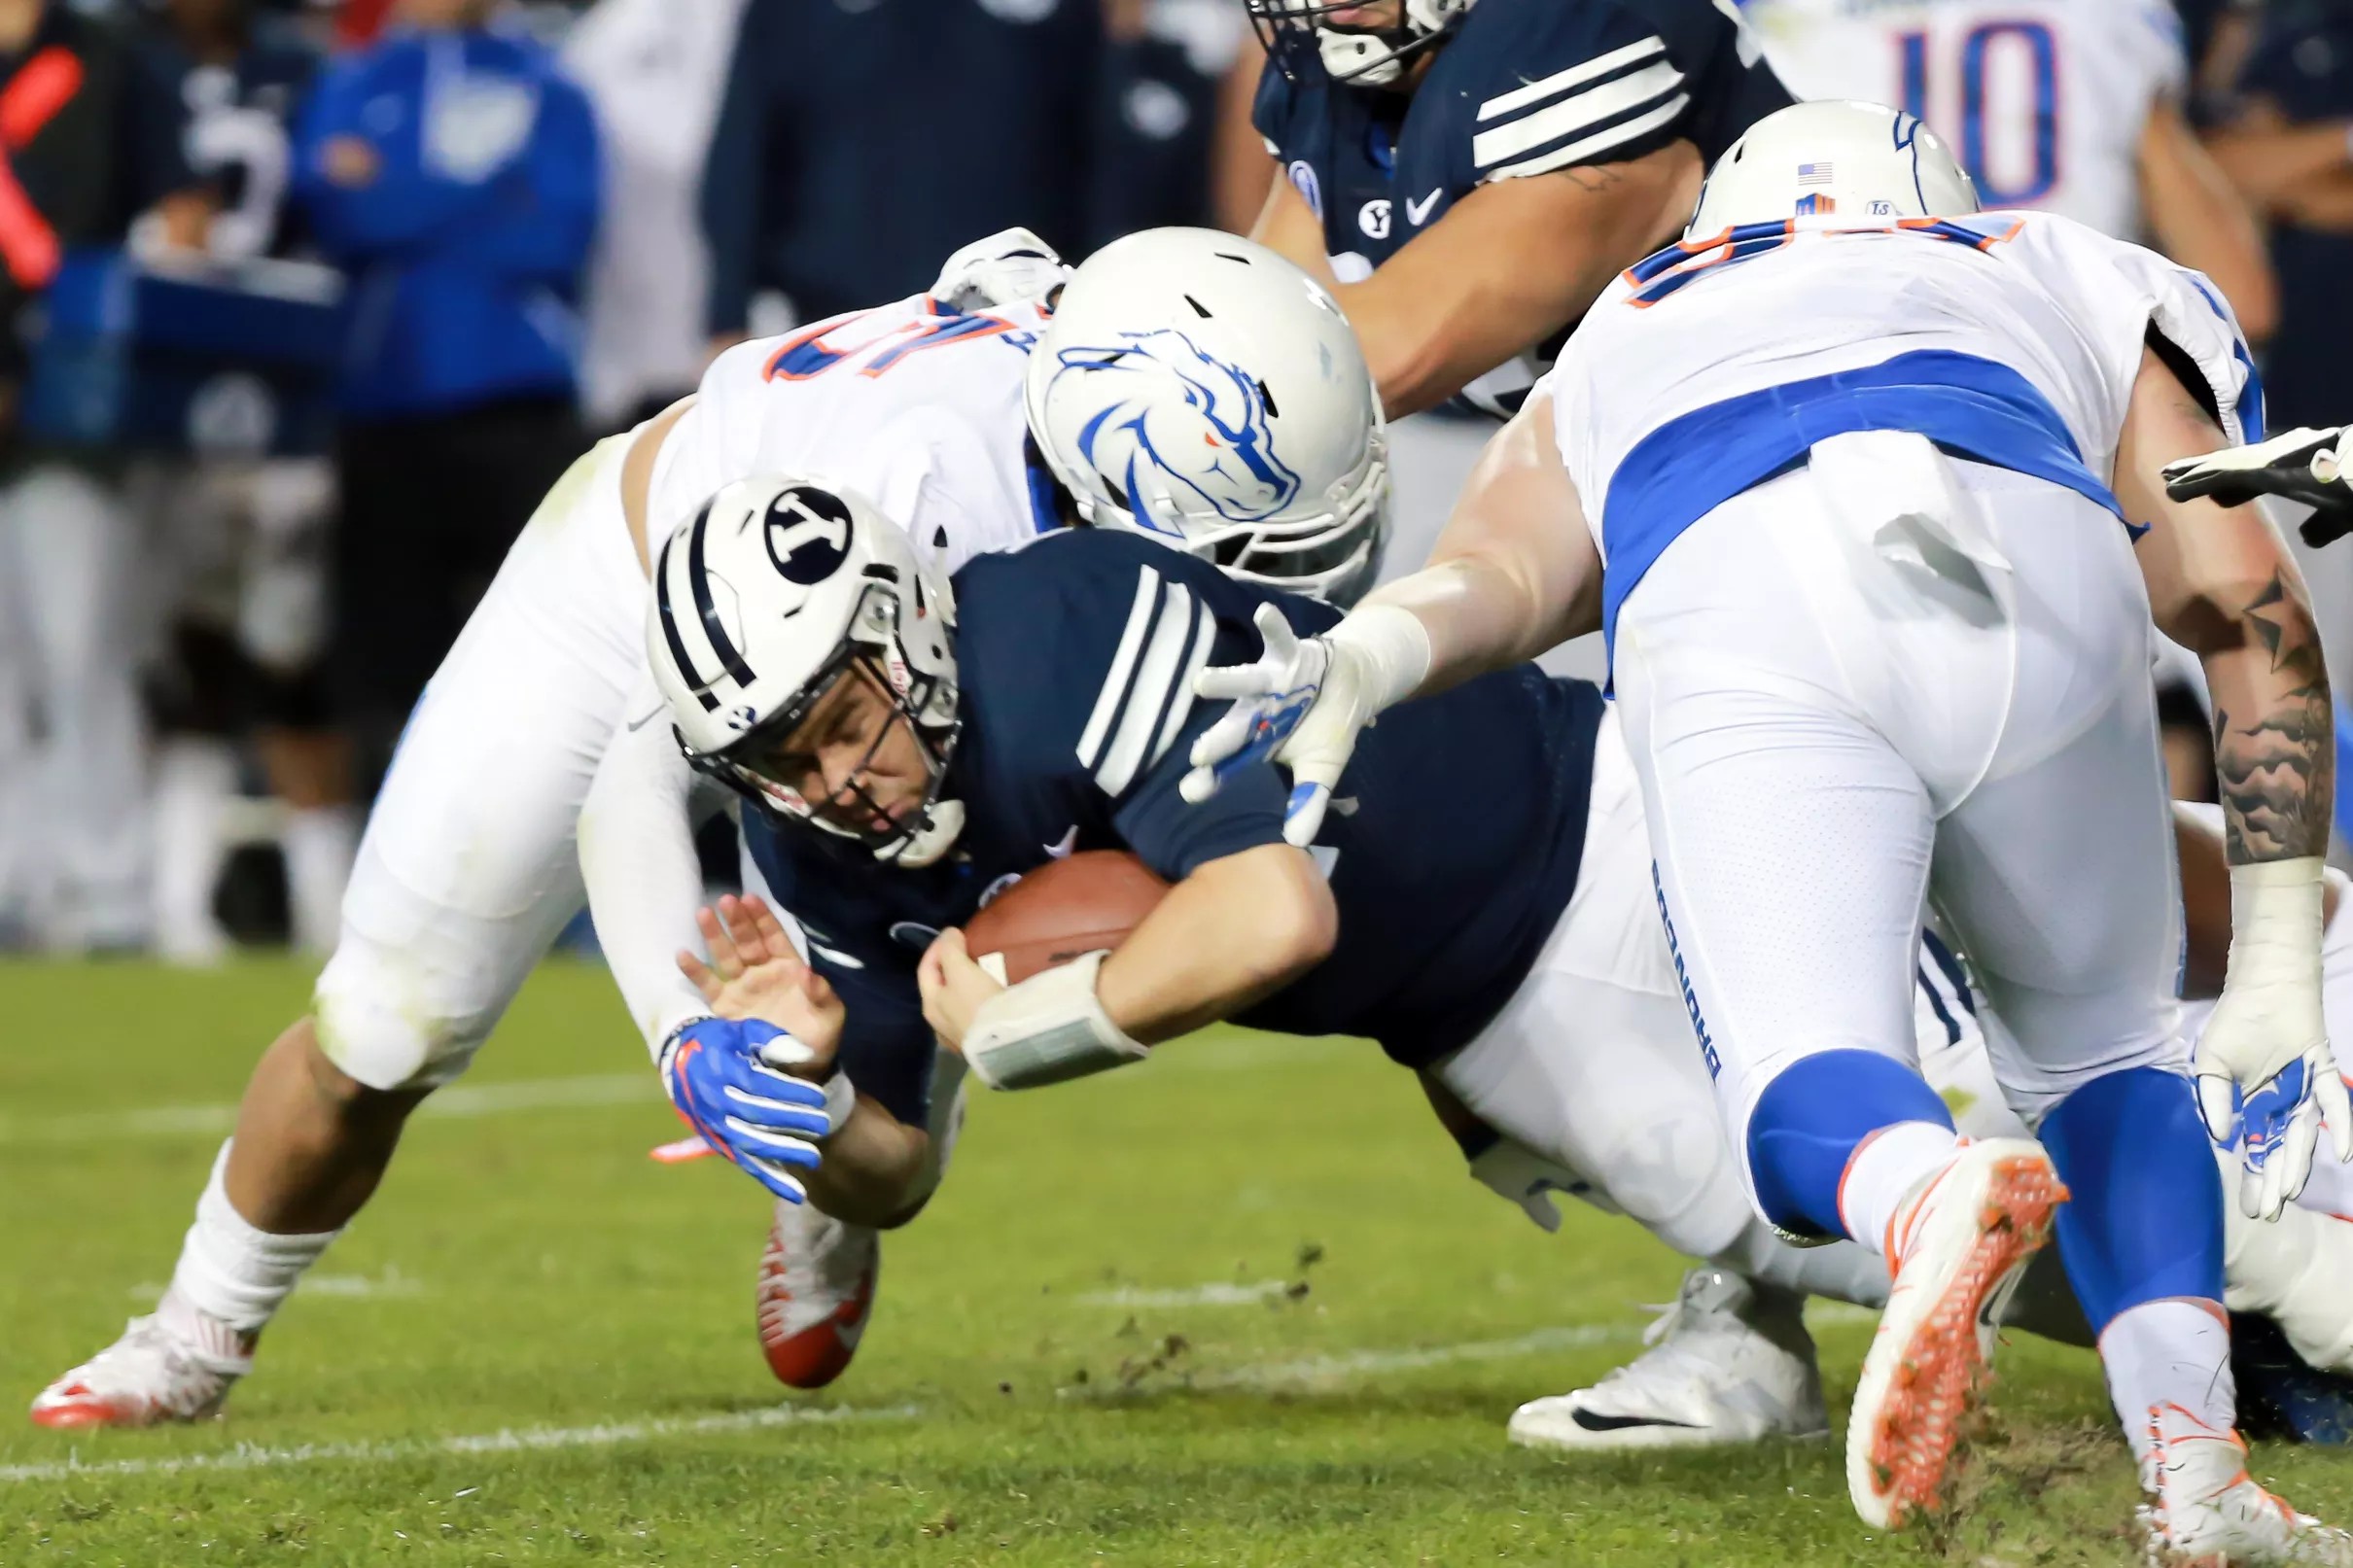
1859,160
1197,388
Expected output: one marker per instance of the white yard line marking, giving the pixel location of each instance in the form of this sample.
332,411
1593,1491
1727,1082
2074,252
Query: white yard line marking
1363,1362
1216,1293
355,1287
1346,1364
530,1439
460,1102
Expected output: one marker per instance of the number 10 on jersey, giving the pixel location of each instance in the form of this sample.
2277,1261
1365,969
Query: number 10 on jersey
2006,72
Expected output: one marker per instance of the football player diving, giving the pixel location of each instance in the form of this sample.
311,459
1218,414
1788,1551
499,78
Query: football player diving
907,743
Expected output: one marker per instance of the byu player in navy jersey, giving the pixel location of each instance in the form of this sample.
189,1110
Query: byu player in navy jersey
1070,734
1471,174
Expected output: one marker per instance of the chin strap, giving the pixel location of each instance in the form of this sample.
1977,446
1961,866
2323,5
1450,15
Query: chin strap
942,822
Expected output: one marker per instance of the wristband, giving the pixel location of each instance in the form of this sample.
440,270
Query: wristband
1389,648
842,1097
1048,1029
2275,923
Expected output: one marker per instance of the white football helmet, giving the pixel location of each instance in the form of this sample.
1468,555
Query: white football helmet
1373,55
1859,160
1201,388
775,590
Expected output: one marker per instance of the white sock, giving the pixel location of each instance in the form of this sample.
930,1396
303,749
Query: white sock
2170,1352
1890,1169
319,845
230,1271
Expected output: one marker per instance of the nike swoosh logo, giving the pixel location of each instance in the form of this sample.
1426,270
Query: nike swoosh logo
1416,211
637,724
1592,1422
1061,849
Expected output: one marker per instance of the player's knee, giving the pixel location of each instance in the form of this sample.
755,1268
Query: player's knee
379,1022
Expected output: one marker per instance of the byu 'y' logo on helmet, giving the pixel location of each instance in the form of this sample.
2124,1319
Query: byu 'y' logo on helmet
808,534
1216,442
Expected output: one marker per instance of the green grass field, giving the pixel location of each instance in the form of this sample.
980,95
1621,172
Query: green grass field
536,1347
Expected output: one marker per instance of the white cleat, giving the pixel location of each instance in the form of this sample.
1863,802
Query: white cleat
1729,1362
2208,1511
816,1292
152,1374
1958,1250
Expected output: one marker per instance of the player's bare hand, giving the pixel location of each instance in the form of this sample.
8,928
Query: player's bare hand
755,972
954,988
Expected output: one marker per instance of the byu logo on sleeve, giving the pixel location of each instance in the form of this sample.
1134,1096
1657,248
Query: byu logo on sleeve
808,534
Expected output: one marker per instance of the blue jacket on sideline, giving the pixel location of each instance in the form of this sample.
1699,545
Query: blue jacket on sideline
467,239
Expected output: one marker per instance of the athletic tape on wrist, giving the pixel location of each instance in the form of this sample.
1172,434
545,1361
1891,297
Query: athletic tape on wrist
841,1096
1048,1029
2275,921
1392,648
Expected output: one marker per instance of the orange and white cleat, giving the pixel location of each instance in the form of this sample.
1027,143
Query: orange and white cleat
1957,1251
2206,1510
817,1277
152,1374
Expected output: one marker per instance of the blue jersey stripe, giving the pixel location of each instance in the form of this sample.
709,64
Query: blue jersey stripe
1690,466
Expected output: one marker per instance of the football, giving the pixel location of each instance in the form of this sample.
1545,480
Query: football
1064,910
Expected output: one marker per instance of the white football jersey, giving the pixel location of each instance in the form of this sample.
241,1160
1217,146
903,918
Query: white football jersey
2043,100
915,408
2012,338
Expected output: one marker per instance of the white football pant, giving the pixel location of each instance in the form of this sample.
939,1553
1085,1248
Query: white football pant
1891,677
468,870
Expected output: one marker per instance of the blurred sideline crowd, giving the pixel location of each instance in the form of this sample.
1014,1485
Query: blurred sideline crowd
306,305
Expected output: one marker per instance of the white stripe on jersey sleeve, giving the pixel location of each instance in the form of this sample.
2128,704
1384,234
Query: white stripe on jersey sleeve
1616,135
1156,678
1204,633
1560,82
1574,114
1115,683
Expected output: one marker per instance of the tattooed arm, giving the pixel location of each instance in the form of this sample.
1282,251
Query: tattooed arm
2221,584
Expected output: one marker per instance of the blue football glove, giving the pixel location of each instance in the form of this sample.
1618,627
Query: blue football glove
716,1072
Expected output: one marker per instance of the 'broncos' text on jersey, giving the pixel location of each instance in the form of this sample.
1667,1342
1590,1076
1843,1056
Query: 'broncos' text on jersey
1519,87
1076,658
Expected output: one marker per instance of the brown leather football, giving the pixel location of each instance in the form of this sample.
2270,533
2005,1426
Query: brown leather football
1064,910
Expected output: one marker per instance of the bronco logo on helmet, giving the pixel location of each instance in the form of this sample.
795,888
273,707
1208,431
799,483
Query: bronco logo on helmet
1215,442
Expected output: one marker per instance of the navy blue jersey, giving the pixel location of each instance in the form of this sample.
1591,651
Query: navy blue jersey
237,137
1076,658
1519,87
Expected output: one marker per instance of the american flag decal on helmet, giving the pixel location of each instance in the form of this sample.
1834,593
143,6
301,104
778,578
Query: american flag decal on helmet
1813,174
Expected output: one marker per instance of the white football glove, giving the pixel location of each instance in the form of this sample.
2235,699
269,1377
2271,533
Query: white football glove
2306,465
1009,265
2263,1064
1303,704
